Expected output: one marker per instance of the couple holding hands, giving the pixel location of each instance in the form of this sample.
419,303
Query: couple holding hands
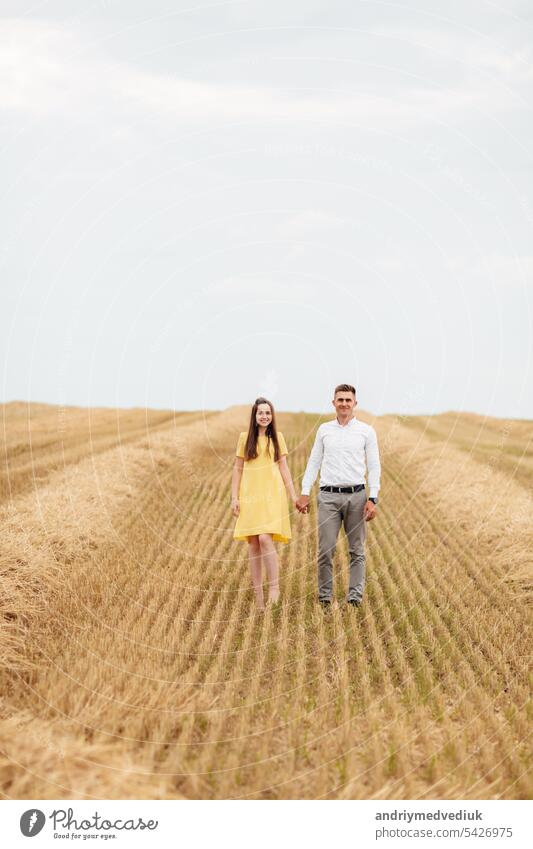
344,449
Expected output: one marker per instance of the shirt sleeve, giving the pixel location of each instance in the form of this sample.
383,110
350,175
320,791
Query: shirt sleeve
313,464
241,444
372,462
282,444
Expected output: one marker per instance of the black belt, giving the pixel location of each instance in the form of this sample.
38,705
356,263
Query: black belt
357,488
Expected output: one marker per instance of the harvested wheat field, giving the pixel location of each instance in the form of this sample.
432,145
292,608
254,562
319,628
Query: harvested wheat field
135,664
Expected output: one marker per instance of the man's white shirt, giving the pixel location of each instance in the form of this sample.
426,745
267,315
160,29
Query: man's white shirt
343,453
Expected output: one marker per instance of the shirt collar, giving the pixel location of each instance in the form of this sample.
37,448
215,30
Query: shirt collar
336,421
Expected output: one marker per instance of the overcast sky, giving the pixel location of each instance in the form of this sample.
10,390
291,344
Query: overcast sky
204,202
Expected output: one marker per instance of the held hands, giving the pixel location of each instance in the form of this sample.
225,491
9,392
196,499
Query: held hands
235,506
302,504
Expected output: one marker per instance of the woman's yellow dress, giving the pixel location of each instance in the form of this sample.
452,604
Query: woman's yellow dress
262,495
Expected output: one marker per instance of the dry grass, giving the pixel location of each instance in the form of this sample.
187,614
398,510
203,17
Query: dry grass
136,666
38,439
479,477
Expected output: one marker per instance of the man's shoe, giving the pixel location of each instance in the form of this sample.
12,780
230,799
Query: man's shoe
355,602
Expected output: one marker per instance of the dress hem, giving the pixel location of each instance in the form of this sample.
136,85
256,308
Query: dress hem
275,537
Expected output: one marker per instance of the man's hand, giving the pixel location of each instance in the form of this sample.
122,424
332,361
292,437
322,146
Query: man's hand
369,511
302,504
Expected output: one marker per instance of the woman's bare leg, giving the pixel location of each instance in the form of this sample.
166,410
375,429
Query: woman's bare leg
270,559
254,555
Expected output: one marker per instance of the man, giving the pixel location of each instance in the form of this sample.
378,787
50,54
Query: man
342,449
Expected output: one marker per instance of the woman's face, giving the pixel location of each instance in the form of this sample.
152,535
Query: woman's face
263,415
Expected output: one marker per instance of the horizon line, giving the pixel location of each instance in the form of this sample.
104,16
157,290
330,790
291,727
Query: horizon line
278,410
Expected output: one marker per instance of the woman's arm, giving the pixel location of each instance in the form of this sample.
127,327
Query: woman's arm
287,479
236,485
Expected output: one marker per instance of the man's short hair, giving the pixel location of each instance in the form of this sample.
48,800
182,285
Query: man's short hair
344,387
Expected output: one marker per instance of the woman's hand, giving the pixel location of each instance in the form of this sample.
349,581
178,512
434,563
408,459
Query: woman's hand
235,506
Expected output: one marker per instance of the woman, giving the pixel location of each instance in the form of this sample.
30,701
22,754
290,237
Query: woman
258,498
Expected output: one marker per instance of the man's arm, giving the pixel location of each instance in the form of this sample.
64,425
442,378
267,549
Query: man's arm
372,463
313,464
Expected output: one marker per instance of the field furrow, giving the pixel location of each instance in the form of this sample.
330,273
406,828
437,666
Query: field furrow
160,672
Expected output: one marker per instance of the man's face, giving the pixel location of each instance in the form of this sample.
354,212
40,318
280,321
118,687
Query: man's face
344,402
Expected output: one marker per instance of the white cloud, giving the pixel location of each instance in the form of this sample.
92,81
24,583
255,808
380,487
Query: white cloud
308,222
496,271
279,11
391,264
34,62
256,288
47,70
514,67
467,53
199,101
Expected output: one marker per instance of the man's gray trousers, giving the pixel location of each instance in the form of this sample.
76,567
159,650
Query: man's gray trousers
334,509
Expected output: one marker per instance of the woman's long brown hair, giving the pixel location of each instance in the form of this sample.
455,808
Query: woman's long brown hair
271,433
